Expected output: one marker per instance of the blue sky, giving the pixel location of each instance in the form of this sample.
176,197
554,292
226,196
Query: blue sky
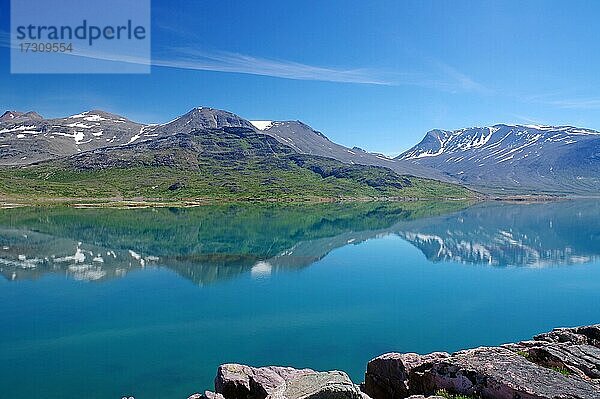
373,74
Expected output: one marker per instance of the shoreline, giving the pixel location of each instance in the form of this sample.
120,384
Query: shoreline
141,202
188,203
563,363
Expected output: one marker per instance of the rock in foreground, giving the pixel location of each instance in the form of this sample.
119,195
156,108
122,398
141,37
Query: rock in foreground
561,364
236,381
391,375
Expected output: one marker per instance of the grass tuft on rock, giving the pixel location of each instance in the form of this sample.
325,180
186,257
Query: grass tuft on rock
445,394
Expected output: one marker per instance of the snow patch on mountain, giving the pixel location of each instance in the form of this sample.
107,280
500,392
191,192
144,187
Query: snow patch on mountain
262,125
535,158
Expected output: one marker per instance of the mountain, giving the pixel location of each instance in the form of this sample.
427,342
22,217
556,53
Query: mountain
197,118
295,134
514,158
210,155
10,115
500,159
26,138
306,140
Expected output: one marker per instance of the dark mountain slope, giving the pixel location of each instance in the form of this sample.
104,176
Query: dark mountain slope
229,162
27,138
306,140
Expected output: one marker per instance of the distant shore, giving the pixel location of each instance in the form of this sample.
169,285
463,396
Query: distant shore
6,202
140,202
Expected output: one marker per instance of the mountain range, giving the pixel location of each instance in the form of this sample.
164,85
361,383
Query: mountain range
500,159
203,154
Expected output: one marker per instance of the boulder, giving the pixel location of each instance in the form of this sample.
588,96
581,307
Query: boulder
320,385
206,395
582,360
561,364
586,335
388,376
236,381
498,373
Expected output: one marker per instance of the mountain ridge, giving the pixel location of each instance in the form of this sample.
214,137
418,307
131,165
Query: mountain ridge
461,156
514,158
199,163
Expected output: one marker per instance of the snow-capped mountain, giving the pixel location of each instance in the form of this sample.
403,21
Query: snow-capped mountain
10,115
27,137
306,140
501,158
519,158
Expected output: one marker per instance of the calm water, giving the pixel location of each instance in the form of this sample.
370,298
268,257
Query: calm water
147,302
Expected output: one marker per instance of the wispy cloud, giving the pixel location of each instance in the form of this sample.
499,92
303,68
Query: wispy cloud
444,78
191,58
441,76
527,119
562,99
221,61
457,80
576,103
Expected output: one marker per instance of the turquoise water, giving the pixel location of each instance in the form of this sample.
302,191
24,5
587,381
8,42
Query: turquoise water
180,291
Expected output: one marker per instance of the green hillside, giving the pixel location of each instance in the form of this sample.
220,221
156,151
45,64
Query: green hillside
229,163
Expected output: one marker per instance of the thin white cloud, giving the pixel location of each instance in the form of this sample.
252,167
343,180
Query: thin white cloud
445,78
528,119
221,61
458,79
560,99
576,103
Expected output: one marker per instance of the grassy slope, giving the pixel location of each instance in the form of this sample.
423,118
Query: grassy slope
213,165
155,182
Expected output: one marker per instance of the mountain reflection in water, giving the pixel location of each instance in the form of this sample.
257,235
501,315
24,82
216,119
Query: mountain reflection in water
211,243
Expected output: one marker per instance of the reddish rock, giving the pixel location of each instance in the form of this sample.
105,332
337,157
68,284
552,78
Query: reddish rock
236,381
388,376
498,373
586,335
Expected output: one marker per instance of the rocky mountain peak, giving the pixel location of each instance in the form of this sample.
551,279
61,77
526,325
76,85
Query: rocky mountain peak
296,126
195,119
33,115
10,115
97,115
211,118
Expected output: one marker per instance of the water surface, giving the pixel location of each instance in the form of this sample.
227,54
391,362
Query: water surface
101,303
